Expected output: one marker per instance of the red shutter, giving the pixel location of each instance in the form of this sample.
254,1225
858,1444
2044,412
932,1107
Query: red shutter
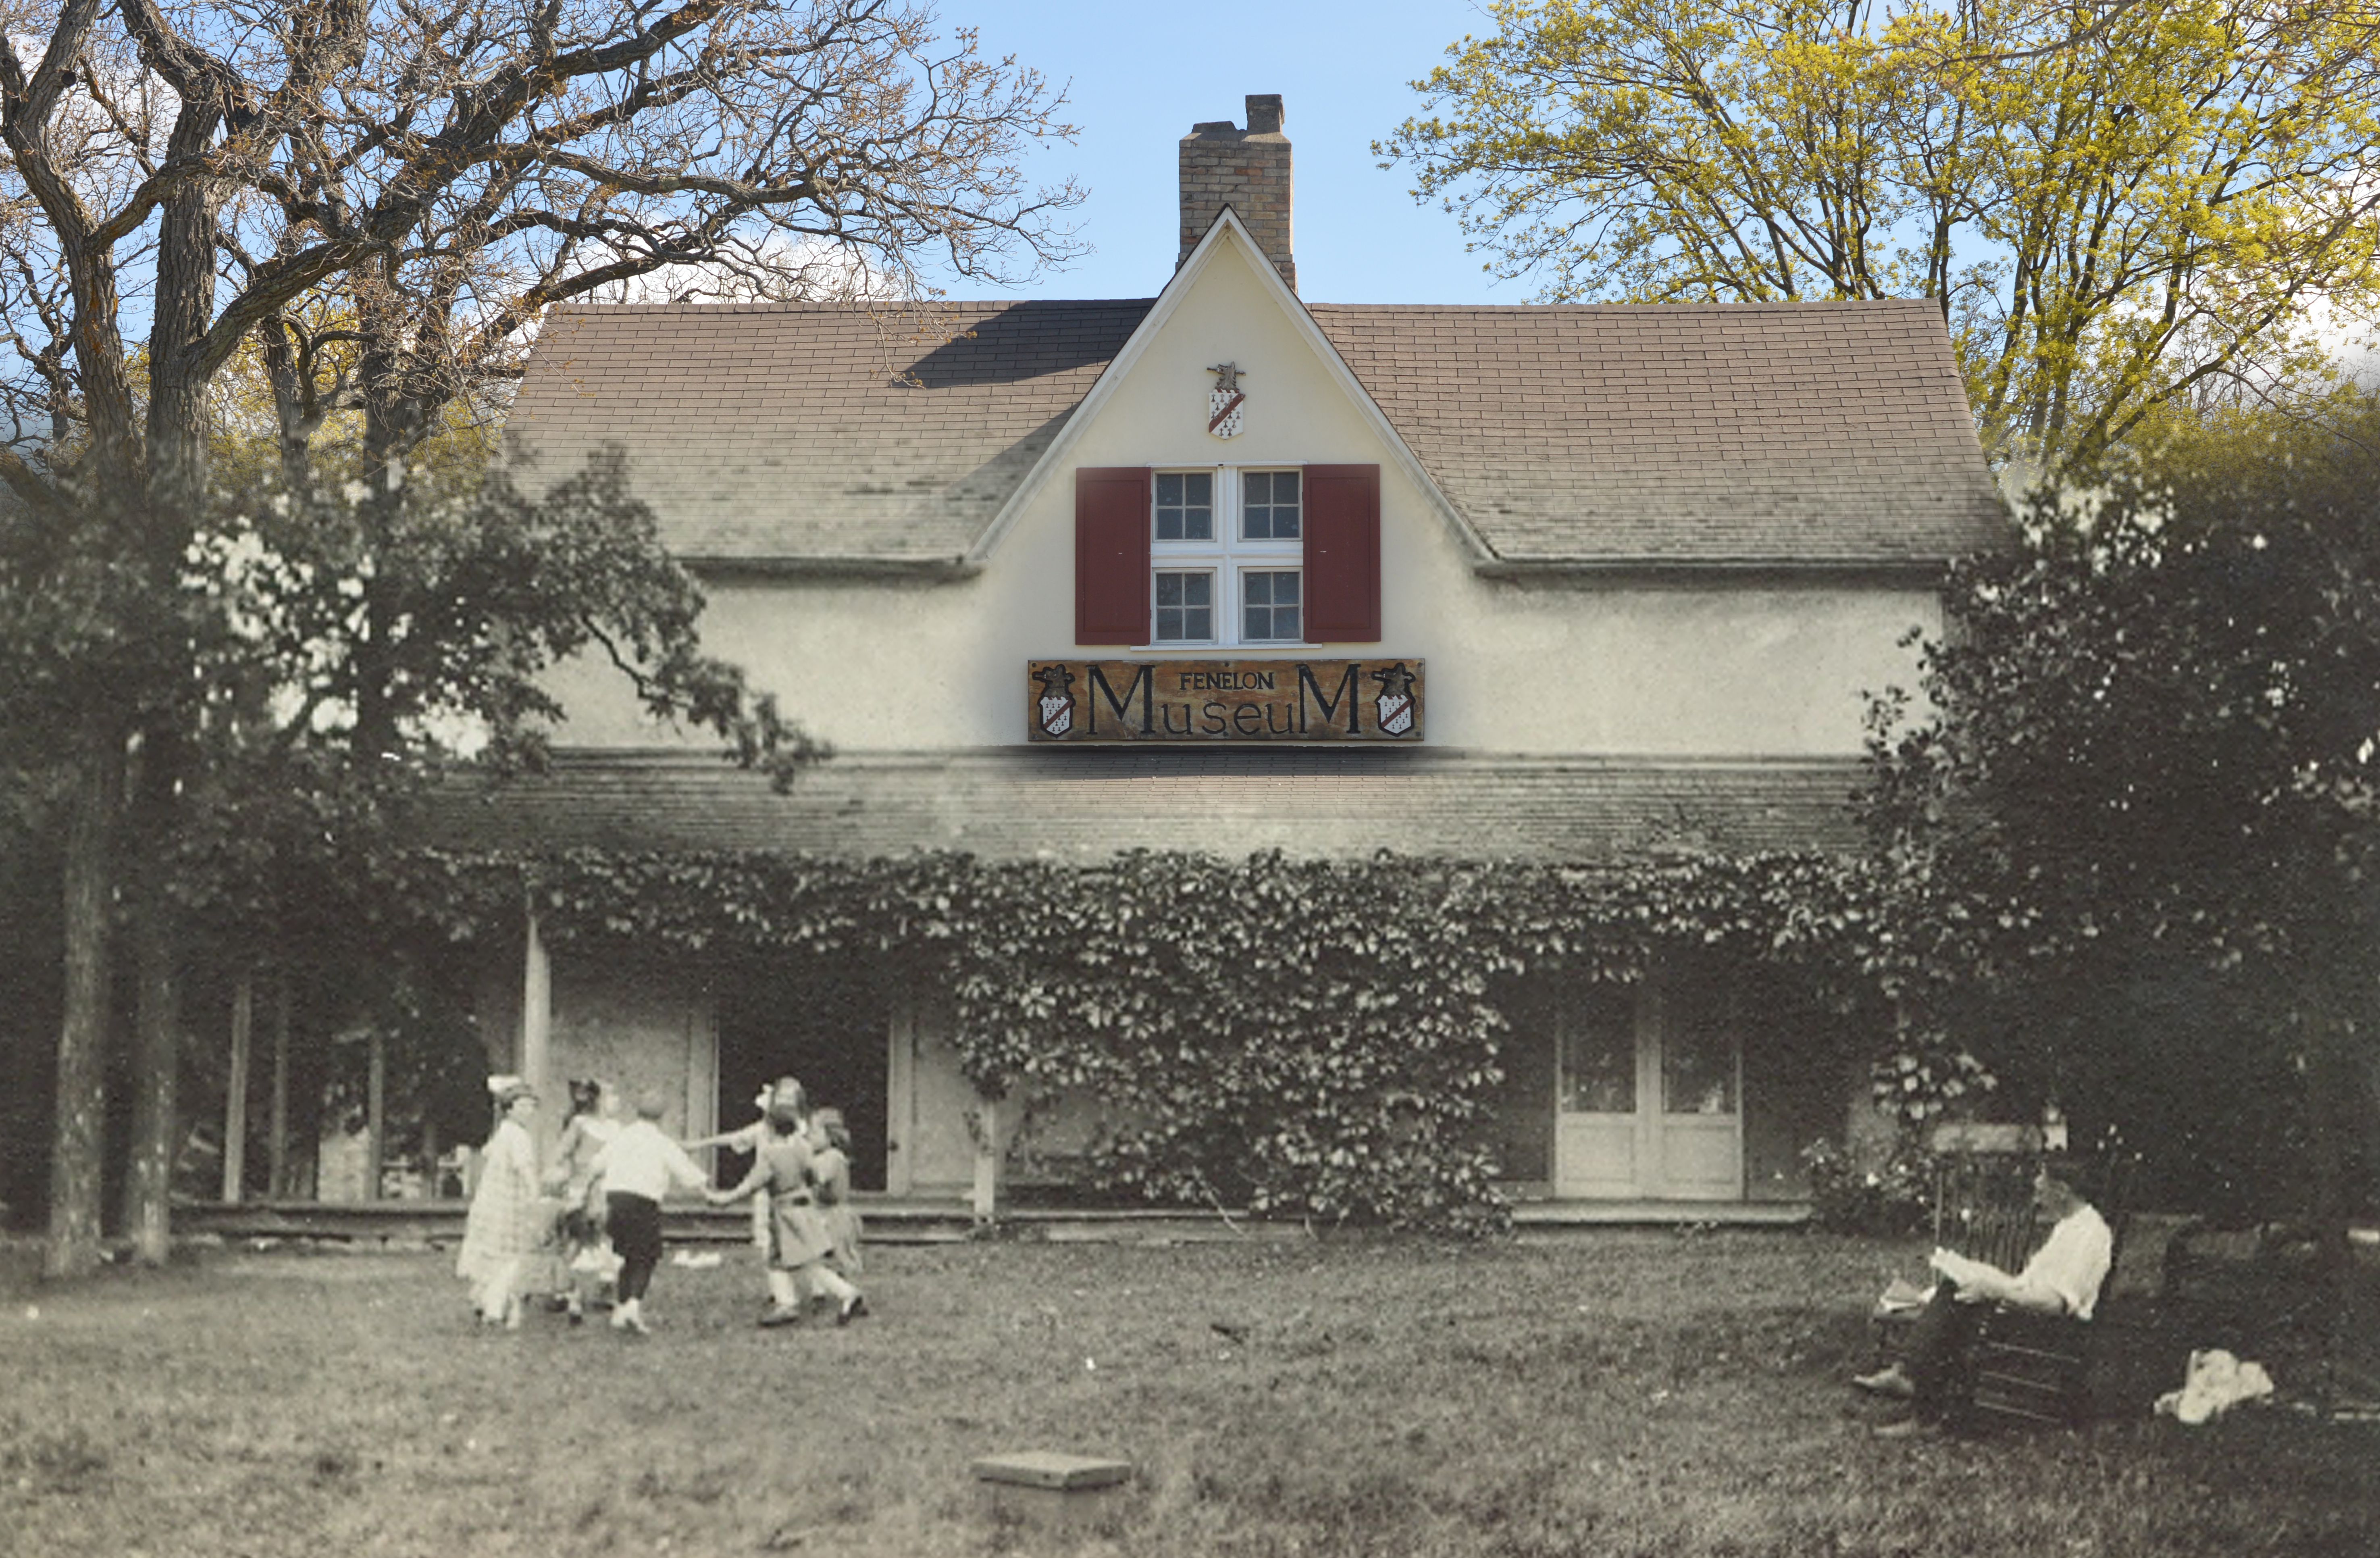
1343,554
1111,555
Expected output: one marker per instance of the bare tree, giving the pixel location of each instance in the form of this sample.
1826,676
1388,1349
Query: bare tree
388,192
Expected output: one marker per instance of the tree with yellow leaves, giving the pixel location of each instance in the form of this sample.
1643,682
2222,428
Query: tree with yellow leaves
2122,204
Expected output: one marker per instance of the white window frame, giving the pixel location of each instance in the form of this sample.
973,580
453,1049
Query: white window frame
1226,557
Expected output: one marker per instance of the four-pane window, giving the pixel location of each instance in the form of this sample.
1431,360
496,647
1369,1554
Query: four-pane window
1185,606
1186,506
1268,600
1268,505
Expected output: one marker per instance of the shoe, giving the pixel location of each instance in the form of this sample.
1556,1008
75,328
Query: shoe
1889,1382
779,1314
1906,1428
635,1323
853,1307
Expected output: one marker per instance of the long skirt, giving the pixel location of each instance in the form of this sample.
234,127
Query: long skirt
503,1231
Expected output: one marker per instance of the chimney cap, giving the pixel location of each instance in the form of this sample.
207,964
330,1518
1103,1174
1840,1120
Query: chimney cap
1264,113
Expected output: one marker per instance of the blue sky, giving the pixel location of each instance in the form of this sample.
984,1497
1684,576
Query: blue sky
1139,76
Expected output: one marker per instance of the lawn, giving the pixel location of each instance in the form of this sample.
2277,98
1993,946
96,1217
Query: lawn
1618,1393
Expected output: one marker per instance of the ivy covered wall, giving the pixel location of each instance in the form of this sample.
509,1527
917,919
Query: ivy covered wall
1327,1040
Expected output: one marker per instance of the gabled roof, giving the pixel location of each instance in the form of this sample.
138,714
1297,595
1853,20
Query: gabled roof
1226,235
780,430
1082,806
1833,434
1817,432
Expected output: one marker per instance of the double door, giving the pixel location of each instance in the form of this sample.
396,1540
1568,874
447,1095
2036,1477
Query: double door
1649,1091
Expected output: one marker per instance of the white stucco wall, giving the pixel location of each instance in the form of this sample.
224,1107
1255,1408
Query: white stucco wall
1724,669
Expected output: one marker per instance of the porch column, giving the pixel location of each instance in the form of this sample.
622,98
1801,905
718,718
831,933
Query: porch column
234,1154
375,1109
985,1200
278,1169
537,1008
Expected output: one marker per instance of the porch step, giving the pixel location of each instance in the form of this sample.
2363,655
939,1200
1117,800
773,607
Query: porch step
410,1222
911,1221
1552,1216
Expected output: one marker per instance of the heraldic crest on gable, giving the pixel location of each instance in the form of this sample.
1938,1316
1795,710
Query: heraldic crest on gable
1225,401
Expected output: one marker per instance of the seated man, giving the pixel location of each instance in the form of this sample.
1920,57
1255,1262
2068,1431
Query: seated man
2062,1278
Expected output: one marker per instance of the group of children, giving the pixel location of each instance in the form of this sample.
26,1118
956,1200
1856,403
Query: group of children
594,1220
803,1218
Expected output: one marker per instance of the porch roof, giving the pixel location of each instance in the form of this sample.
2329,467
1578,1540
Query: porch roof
1084,805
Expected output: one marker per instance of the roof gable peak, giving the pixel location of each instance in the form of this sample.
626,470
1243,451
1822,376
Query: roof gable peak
1226,230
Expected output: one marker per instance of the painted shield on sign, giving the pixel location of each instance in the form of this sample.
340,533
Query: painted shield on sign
1395,702
1225,401
1056,708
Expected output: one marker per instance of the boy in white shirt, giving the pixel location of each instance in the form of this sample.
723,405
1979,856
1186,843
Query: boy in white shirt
637,1168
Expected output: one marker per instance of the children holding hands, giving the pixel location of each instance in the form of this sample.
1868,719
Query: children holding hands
613,1178
749,1139
801,1241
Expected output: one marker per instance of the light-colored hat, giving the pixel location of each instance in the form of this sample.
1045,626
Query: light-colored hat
505,1090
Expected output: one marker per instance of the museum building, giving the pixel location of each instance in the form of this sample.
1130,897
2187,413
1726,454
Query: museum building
1223,570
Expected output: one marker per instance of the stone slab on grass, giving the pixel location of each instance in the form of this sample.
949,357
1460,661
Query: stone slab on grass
1054,1469
1049,1489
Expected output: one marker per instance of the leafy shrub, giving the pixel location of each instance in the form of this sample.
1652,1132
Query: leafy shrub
1891,1197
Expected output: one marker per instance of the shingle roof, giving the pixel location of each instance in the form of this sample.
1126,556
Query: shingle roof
767,430
1080,807
1789,433
1689,432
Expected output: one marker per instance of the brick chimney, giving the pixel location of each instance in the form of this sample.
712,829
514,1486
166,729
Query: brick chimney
1246,169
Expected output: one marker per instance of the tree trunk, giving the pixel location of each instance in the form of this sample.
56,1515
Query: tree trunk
178,476
2332,1098
80,1125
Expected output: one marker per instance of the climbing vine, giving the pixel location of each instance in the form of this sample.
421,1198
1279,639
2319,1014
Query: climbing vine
1313,1038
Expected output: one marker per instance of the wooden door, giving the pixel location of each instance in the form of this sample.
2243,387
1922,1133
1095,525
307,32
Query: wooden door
1648,1094
1698,1056
1598,1127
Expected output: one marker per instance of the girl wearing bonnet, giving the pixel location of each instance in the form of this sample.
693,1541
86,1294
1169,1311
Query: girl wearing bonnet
508,1219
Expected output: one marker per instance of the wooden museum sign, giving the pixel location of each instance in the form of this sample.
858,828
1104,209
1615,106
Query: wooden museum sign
1117,700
